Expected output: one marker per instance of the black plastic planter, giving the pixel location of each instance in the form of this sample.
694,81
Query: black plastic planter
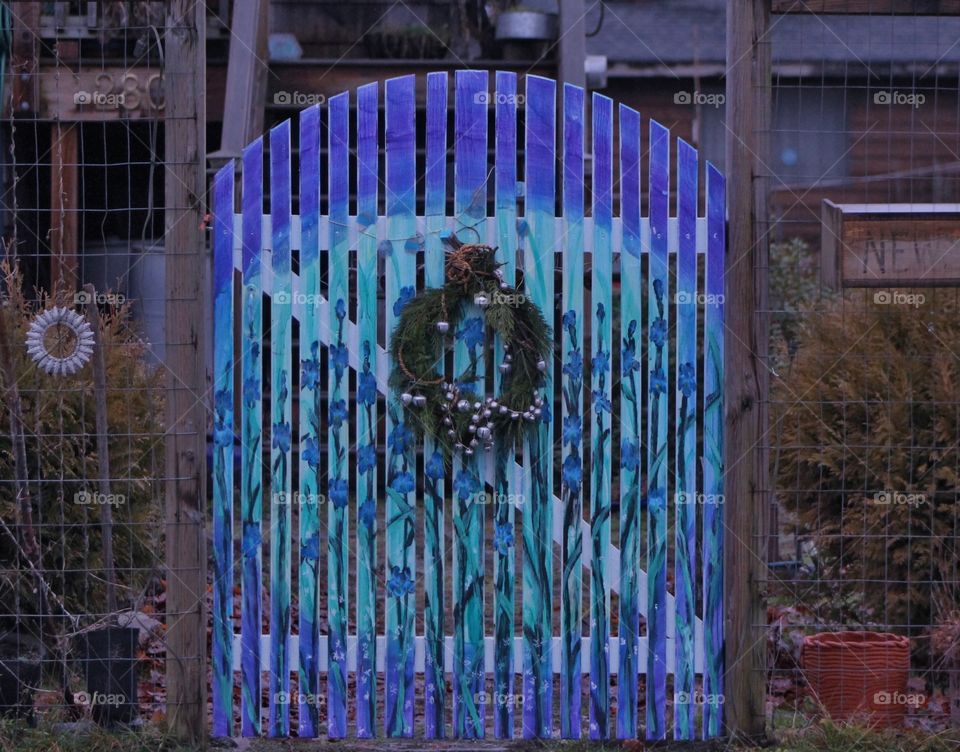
18,679
110,668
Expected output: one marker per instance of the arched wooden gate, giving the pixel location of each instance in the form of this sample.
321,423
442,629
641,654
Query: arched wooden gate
409,616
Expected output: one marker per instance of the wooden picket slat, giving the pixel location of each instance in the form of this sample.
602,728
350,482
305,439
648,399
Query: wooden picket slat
713,662
222,689
571,390
599,416
368,180
401,248
658,328
251,463
630,383
280,429
434,545
338,448
538,263
505,478
460,654
308,627
685,447
470,209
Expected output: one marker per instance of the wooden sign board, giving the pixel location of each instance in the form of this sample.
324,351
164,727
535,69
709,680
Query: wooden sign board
890,245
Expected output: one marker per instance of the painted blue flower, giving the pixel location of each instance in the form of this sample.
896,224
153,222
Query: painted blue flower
572,472
545,415
251,541
658,287
503,537
658,382
400,438
601,312
629,455
628,361
631,328
339,358
434,466
658,332
687,379
222,434
338,490
223,402
367,388
570,320
338,413
310,548
574,365
252,392
309,373
368,512
600,362
405,296
472,332
466,484
385,248
341,309
656,497
366,458
310,452
400,582
403,483
572,429
600,401
281,437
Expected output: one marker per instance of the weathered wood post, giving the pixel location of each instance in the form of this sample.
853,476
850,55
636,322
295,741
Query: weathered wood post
746,388
186,310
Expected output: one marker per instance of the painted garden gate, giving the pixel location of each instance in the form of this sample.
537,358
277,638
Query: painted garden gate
409,616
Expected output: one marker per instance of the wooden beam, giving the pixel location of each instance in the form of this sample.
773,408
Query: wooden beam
23,64
746,388
246,91
573,42
64,210
186,310
868,7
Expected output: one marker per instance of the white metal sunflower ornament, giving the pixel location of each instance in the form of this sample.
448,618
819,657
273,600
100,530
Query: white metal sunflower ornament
60,341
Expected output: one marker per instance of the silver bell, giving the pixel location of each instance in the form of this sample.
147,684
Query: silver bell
541,365
504,368
406,398
443,327
463,405
481,300
419,401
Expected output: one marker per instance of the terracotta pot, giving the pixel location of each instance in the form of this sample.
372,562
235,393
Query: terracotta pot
859,675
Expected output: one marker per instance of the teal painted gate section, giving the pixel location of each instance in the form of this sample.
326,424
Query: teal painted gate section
437,599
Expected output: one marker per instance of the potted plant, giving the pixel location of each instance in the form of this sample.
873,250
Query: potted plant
860,675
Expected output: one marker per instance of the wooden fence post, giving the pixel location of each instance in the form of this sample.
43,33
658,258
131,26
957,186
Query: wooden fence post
746,387
186,310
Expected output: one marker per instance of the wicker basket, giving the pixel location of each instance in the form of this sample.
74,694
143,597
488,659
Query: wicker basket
859,675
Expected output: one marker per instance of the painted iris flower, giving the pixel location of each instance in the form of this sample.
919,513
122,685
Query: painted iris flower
339,358
400,582
658,381
472,333
403,483
366,388
310,548
310,452
572,429
368,512
338,413
366,458
466,484
434,466
252,392
572,472
338,490
309,373
503,537
281,437
405,296
574,365
341,309
629,455
600,362
658,332
400,438
600,401
687,379
570,321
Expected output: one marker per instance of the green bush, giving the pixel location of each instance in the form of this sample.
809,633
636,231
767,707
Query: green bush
59,419
867,426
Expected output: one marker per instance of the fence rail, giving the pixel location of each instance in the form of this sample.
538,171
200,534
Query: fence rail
382,619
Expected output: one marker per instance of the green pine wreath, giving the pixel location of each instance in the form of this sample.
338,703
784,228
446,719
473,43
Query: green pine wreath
455,414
